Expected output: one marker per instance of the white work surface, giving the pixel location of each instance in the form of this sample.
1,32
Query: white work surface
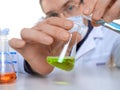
99,78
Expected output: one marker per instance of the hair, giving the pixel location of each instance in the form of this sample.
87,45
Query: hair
40,1
82,1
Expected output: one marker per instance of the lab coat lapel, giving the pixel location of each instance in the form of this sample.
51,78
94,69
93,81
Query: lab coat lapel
90,44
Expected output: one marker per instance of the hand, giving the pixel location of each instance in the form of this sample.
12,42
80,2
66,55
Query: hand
106,9
38,42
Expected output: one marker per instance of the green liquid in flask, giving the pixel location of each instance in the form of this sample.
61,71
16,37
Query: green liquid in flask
67,63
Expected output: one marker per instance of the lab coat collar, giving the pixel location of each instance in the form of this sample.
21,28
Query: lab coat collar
89,43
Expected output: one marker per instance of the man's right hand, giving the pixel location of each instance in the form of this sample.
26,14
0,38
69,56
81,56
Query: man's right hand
37,42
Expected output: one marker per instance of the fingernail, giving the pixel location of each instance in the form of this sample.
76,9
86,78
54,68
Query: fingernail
96,16
86,11
65,36
18,43
108,19
68,24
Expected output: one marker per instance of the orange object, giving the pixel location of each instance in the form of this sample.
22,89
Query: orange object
7,77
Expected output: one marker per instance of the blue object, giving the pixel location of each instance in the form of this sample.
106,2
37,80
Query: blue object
112,25
4,31
12,52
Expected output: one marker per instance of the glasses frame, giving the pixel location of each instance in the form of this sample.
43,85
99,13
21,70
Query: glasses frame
65,10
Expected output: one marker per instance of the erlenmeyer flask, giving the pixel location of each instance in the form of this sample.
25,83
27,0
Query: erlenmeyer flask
63,56
66,57
7,73
63,62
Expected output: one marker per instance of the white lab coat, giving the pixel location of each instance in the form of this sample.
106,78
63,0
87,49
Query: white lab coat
99,47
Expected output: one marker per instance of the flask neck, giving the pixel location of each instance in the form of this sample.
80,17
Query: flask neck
4,47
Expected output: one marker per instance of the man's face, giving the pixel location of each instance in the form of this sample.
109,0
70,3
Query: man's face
61,8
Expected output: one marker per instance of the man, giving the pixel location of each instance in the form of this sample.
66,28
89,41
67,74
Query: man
37,42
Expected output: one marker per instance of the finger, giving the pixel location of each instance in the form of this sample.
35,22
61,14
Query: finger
30,35
60,22
94,24
16,43
100,8
89,6
55,32
113,12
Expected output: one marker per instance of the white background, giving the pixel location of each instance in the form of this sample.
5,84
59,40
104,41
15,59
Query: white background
17,14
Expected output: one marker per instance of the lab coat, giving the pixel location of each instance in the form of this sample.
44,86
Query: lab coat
100,46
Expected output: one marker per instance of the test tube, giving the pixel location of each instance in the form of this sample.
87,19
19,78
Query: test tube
112,25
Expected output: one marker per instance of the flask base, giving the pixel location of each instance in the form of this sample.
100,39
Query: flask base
7,77
67,64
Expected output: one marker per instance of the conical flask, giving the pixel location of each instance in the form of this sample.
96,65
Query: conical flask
63,61
7,72
63,54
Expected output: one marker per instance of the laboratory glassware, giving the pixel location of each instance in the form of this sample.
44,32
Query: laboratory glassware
112,25
62,61
7,72
65,60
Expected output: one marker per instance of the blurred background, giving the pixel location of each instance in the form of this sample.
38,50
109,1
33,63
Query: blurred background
17,14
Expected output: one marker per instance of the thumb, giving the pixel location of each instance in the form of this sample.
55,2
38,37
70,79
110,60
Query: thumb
16,43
